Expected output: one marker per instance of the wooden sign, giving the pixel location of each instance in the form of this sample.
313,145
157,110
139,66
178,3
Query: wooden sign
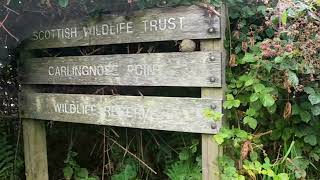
164,24
195,69
160,113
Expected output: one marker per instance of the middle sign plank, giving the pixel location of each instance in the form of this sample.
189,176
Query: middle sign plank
195,69
160,113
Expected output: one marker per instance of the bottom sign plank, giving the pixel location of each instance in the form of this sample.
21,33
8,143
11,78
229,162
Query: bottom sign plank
160,113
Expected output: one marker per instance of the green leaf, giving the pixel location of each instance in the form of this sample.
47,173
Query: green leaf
284,17
309,90
258,87
63,3
305,116
231,102
251,112
293,78
250,121
218,138
315,110
282,176
314,99
67,172
82,173
278,59
254,97
249,82
267,100
310,139
248,58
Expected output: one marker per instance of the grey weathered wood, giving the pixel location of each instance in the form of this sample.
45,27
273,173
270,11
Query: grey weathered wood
35,150
195,25
160,113
35,144
210,148
194,69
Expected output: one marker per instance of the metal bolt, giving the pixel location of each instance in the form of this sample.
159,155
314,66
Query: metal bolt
213,125
213,106
212,58
211,30
163,3
212,79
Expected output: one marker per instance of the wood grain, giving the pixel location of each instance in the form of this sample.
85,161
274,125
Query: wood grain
210,148
160,113
35,149
194,69
195,25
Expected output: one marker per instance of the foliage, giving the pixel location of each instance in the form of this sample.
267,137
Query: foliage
188,167
10,162
72,169
273,96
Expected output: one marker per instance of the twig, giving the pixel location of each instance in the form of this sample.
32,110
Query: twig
2,25
209,7
262,134
133,155
11,10
94,51
104,152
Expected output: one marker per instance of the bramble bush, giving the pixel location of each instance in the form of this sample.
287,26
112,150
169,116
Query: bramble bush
273,96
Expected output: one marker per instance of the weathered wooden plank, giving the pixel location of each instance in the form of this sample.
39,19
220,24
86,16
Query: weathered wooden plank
161,24
194,69
160,113
35,150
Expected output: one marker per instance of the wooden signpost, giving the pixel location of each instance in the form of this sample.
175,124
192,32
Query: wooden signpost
195,69
163,24
204,69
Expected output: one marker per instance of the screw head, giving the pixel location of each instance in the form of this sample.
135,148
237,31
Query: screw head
212,79
213,106
212,58
213,125
163,2
211,30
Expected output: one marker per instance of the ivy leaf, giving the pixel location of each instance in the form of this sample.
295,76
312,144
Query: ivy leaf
293,78
252,122
314,99
267,100
310,139
63,3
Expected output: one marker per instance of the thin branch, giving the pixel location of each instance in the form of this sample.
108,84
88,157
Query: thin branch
133,155
11,10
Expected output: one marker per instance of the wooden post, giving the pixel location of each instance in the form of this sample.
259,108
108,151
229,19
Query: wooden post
34,138
210,149
35,149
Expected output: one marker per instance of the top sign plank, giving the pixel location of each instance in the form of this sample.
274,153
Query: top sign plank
144,26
